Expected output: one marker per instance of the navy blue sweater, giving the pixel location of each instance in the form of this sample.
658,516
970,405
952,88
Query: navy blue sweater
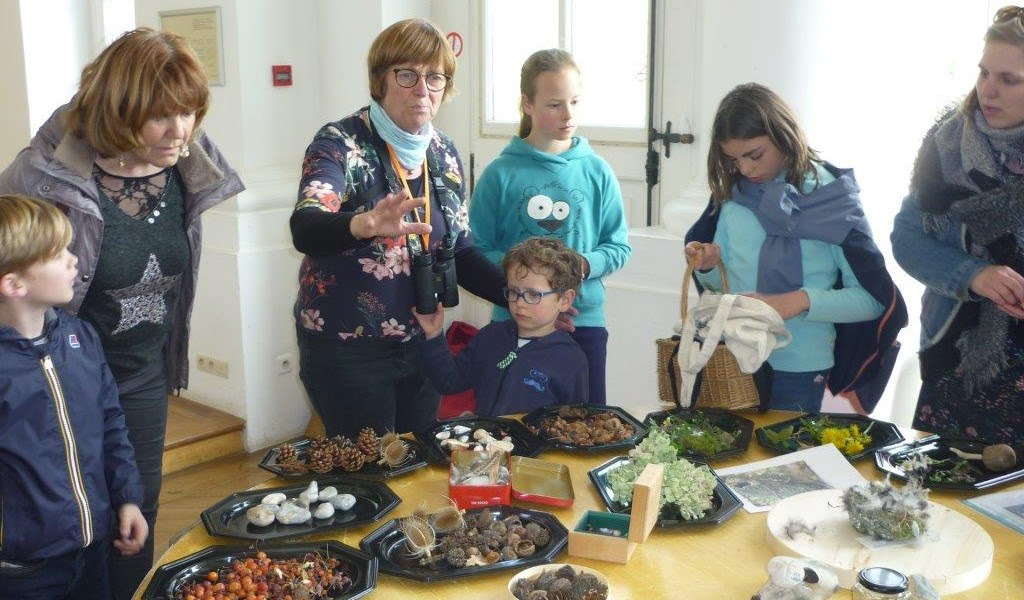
508,380
65,458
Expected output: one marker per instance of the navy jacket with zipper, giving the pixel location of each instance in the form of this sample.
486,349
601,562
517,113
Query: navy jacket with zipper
65,458
507,380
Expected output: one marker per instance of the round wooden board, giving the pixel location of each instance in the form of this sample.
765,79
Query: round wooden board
955,555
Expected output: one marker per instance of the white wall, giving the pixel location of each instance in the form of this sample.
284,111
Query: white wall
15,130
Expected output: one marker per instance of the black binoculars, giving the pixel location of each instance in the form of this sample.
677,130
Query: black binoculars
434,280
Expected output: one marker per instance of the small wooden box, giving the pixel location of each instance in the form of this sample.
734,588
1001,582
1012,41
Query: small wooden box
635,526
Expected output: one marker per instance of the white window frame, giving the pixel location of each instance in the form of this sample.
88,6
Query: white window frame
626,136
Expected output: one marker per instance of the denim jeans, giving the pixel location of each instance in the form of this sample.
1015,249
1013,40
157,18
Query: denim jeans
594,342
801,392
78,575
366,383
145,411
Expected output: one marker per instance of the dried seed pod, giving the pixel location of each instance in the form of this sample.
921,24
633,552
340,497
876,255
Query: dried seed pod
369,443
447,519
420,537
525,548
395,454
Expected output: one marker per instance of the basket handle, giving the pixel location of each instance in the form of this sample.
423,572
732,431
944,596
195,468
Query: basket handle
690,265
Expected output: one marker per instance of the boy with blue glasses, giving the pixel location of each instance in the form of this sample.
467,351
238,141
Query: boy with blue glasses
519,365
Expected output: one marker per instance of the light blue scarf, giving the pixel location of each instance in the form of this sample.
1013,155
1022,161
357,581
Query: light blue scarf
411,148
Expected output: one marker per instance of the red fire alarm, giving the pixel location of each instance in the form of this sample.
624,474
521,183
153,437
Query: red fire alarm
281,74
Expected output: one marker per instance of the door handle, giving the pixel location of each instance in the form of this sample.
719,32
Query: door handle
668,138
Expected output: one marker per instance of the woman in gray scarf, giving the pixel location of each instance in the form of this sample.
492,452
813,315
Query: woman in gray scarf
961,233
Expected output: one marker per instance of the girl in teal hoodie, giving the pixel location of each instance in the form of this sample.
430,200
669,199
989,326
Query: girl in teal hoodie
548,182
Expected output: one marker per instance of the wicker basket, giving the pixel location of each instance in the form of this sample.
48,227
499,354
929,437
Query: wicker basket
722,383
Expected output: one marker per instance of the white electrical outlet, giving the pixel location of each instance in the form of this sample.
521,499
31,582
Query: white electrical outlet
211,365
285,363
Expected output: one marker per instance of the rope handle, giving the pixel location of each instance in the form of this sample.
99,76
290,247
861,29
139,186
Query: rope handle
690,266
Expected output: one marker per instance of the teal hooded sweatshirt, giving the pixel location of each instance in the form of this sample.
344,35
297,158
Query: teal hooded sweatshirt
573,196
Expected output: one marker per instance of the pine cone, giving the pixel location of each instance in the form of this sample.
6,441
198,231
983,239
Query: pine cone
351,459
321,460
368,443
286,453
317,443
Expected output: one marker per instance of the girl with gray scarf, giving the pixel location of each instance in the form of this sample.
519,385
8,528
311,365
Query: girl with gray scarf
961,233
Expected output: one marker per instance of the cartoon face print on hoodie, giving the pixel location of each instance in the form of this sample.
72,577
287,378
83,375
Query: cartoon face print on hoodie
550,210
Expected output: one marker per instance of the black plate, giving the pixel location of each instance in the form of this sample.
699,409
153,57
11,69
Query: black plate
526,443
388,545
361,567
371,470
937,448
724,504
374,499
725,419
533,419
882,433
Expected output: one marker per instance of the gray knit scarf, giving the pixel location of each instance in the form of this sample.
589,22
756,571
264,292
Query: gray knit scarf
974,156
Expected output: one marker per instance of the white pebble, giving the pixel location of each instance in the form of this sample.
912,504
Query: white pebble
343,501
275,498
327,493
324,511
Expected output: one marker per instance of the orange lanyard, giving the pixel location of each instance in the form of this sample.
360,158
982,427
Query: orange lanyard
426,192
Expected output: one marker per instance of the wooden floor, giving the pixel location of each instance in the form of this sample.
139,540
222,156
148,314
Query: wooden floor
188,492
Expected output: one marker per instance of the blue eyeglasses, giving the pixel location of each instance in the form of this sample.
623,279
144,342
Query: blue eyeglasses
528,296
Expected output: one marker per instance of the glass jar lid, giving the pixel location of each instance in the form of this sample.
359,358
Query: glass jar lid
883,580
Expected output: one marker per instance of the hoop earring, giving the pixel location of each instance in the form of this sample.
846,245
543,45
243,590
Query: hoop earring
184,151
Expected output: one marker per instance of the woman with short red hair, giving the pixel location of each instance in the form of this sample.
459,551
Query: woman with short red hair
126,162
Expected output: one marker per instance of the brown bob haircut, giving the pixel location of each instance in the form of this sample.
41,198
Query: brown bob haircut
409,41
143,74
31,231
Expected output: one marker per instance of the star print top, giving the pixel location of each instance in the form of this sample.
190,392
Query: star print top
142,257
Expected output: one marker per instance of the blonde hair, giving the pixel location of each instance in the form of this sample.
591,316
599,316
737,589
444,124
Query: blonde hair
143,74
748,111
409,41
31,231
1007,27
541,61
549,257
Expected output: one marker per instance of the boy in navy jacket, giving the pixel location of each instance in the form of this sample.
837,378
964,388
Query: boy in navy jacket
526,363
65,460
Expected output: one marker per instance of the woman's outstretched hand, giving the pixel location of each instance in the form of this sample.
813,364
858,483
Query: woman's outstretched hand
702,256
1003,286
387,218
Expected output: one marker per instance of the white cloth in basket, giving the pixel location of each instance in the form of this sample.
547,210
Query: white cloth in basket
750,328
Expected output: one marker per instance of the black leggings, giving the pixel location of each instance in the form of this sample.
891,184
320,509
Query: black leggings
366,383
145,413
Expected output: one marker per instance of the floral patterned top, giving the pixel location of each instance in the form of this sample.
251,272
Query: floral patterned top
350,288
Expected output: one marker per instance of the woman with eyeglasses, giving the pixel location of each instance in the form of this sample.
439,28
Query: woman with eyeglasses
960,233
378,188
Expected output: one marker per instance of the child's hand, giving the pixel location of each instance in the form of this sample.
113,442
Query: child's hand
703,256
431,324
788,305
565,319
132,530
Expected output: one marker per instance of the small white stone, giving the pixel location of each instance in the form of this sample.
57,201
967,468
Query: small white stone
443,435
343,501
291,514
260,515
460,429
275,498
327,493
324,511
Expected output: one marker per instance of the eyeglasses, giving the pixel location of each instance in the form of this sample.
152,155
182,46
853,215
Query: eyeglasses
528,296
407,78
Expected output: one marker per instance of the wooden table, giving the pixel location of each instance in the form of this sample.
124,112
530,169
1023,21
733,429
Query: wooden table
719,562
